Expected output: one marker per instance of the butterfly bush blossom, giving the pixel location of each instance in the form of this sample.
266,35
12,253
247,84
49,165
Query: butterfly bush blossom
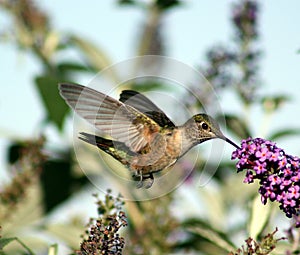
278,173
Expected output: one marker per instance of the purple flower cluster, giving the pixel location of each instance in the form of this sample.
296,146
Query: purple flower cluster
278,173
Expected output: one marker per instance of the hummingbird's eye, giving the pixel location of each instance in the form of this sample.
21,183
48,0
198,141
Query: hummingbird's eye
204,126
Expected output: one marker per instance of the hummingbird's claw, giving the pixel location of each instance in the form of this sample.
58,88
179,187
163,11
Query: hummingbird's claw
145,181
140,184
149,182
138,176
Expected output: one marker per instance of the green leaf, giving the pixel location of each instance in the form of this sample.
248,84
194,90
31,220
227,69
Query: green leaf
69,232
260,215
284,133
96,57
167,4
217,238
127,2
55,106
53,250
57,182
272,103
6,241
216,204
237,126
66,67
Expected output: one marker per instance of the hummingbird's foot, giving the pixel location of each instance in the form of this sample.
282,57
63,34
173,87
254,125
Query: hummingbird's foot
140,184
149,181
138,176
145,181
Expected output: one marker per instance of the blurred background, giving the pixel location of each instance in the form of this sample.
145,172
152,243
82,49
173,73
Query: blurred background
248,50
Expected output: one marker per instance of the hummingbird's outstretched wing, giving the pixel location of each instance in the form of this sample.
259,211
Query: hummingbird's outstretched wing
144,105
121,121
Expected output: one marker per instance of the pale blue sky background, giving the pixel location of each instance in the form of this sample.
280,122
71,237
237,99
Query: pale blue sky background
189,31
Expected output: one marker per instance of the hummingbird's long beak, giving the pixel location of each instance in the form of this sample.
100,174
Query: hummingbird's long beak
231,142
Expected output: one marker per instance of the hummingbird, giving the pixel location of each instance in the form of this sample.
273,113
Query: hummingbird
141,136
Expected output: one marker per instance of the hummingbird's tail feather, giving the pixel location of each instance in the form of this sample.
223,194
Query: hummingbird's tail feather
116,149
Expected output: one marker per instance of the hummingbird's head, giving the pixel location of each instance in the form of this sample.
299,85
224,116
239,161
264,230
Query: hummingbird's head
202,127
207,127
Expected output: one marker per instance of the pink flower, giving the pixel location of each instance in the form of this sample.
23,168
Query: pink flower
278,173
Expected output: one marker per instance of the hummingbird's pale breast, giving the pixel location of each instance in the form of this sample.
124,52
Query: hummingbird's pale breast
163,152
